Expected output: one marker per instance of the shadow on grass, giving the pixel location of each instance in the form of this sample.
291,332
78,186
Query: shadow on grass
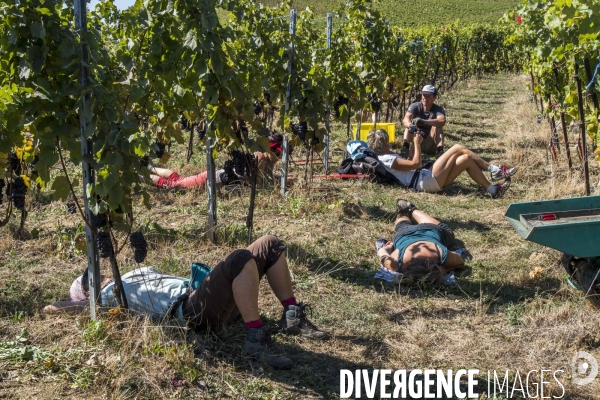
315,372
378,213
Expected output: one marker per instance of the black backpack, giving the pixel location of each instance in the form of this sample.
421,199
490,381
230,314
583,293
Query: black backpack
370,166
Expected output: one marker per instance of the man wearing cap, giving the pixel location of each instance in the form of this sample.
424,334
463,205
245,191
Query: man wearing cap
428,118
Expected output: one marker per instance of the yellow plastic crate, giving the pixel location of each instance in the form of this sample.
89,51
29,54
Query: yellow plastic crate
366,127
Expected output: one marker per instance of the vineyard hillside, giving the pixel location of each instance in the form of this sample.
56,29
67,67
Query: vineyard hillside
407,13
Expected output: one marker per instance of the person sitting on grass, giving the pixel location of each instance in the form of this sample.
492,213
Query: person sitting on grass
445,169
429,118
419,251
230,289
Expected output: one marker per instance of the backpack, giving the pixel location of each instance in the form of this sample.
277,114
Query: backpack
370,166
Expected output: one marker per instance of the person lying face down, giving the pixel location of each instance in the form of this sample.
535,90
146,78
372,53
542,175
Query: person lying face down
230,289
445,169
419,250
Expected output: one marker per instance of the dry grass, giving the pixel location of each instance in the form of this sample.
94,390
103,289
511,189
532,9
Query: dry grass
500,316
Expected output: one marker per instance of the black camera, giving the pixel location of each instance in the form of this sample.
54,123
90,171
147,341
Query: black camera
413,129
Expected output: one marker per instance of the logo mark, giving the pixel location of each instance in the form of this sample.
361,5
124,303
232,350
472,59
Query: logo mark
585,368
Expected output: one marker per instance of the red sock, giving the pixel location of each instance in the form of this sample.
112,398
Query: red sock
289,302
254,324
174,176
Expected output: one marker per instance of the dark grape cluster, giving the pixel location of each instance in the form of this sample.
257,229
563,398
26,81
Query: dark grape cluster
105,247
258,107
2,184
145,161
140,246
375,104
98,220
228,176
184,123
239,162
71,208
15,163
161,148
18,191
267,96
201,133
389,86
341,100
300,129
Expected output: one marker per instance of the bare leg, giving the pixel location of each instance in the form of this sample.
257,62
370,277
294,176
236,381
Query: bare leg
402,218
279,279
245,291
456,160
161,172
423,218
463,163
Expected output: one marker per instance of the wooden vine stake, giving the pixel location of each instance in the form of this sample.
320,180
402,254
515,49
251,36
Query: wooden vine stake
564,125
253,173
581,122
79,8
118,290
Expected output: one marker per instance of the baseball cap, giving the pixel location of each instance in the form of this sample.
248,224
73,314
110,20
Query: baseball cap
429,89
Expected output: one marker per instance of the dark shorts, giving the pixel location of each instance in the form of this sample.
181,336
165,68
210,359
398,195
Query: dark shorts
212,304
405,227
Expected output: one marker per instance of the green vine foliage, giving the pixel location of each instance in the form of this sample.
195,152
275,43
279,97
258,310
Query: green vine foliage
552,36
206,60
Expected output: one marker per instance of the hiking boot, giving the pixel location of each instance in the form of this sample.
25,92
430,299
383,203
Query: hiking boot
503,173
501,189
404,208
294,322
258,345
381,243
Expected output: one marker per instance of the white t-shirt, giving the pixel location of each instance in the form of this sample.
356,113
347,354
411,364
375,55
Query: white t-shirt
403,176
148,292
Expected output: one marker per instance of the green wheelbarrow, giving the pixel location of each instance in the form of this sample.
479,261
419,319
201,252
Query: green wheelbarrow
568,225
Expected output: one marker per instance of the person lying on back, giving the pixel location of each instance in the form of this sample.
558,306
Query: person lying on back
445,169
419,250
230,289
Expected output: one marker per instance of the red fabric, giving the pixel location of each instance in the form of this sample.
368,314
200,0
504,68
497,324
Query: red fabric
254,324
176,181
276,147
192,181
289,302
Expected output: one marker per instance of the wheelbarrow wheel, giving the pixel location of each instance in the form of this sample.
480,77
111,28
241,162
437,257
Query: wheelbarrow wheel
587,276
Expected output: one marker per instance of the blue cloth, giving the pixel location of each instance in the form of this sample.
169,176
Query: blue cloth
359,150
427,235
